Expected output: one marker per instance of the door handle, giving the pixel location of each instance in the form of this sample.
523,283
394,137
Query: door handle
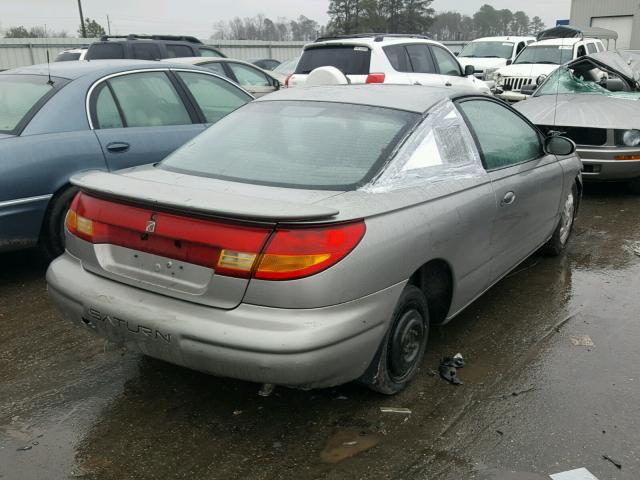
508,199
118,147
448,84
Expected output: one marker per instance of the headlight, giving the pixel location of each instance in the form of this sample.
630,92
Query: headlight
631,138
490,74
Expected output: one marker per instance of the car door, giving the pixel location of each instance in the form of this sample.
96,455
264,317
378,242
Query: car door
448,67
252,79
141,117
527,183
424,70
212,96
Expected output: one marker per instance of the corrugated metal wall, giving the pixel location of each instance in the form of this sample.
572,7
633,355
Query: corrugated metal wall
582,11
18,52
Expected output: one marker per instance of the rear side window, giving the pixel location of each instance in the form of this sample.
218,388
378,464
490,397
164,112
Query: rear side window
209,52
215,67
421,59
100,51
174,51
215,97
591,48
506,140
106,110
19,94
146,51
298,144
149,100
398,58
349,60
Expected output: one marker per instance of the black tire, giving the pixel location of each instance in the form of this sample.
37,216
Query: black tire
560,238
402,350
52,234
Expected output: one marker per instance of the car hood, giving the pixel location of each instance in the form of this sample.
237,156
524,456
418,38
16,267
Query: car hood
208,196
482,63
582,110
527,70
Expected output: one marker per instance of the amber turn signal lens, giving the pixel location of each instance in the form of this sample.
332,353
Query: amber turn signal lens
627,157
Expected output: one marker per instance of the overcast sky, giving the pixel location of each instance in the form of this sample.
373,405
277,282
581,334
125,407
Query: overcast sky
196,17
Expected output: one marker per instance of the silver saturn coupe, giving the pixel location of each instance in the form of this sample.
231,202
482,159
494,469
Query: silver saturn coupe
312,237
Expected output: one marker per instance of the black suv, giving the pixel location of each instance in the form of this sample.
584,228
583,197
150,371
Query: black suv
149,47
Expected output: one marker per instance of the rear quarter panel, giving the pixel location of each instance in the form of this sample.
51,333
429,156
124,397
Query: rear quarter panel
405,229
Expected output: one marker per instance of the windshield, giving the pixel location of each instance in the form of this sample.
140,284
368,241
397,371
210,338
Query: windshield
288,66
564,81
349,60
18,95
550,54
487,50
315,145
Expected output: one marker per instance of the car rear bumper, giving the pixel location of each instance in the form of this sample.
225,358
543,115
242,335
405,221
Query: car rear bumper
600,164
304,348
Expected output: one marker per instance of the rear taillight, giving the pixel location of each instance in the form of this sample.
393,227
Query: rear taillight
375,78
299,252
231,249
286,80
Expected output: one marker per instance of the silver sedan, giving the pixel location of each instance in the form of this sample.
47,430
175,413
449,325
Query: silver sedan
313,236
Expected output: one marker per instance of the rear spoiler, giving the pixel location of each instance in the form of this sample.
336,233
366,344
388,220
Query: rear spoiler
198,201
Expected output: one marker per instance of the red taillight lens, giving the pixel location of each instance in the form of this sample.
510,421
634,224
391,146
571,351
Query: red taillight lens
375,78
231,249
296,253
202,242
286,80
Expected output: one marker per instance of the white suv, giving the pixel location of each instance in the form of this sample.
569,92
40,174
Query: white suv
540,58
386,58
488,54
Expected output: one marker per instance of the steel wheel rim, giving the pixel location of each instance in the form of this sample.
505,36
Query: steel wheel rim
406,344
567,218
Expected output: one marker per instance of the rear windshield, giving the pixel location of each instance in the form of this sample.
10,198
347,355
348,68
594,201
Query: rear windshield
315,145
349,60
18,95
67,56
101,51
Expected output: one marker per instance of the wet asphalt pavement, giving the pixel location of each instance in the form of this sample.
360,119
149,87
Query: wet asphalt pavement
74,406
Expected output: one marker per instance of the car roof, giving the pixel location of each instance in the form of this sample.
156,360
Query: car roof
74,70
510,38
412,98
560,41
371,41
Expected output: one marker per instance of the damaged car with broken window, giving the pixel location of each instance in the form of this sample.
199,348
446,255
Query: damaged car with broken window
314,236
595,101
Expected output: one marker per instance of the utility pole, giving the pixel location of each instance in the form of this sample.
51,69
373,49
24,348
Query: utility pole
84,30
108,25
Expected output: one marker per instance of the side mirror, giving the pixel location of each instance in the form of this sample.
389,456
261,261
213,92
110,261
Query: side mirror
469,70
509,62
540,80
556,145
277,84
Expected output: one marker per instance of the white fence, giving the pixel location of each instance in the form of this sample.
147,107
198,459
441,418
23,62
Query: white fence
18,52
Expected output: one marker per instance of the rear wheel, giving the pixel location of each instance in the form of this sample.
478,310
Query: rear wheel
402,350
558,242
52,234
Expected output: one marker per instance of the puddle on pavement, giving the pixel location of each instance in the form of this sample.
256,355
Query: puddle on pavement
347,443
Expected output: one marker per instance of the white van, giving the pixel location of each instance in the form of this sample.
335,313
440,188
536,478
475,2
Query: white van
488,54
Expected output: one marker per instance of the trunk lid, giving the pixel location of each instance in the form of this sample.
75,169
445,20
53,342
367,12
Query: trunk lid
168,232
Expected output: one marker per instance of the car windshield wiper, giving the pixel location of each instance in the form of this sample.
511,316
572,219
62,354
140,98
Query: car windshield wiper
468,56
546,62
491,56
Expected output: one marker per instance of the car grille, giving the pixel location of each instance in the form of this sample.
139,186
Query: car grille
516,83
580,135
